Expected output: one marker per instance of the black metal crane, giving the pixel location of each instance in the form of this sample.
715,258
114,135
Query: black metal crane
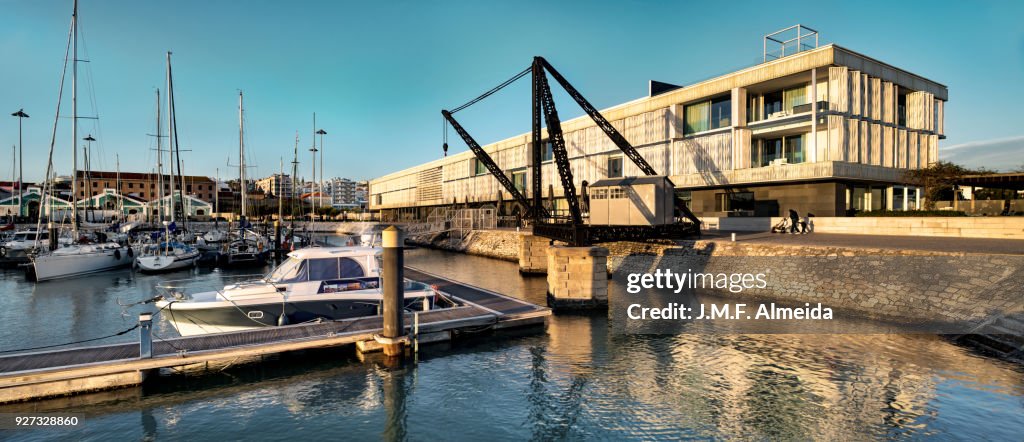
572,230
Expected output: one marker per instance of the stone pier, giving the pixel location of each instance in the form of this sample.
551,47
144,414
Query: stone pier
577,277
533,254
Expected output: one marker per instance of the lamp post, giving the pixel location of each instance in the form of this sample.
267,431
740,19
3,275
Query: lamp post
312,210
321,132
88,174
21,116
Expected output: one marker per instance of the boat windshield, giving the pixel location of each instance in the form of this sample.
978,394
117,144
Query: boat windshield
291,270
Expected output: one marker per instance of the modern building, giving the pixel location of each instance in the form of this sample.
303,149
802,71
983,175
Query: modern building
824,130
345,193
142,185
276,184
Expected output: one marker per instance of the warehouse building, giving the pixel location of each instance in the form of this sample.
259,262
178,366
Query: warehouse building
824,130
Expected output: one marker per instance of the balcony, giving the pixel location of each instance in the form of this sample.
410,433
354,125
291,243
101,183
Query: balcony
789,172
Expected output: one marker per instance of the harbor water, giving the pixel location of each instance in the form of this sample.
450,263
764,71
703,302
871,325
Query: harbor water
578,379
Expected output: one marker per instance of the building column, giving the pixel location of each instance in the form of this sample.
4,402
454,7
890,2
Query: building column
813,154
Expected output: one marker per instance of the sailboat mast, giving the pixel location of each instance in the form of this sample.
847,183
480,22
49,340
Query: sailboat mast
170,140
74,124
241,154
159,162
120,199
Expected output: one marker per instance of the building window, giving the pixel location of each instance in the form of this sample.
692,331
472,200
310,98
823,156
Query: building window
735,202
901,110
519,181
549,152
707,115
616,193
790,148
131,185
95,184
599,194
477,167
794,149
780,103
615,167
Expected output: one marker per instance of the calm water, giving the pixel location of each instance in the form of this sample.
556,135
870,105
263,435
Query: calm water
575,380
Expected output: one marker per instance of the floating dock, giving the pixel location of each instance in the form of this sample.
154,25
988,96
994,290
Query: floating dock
28,376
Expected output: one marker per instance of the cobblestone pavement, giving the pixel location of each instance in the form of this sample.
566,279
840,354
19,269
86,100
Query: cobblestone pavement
931,243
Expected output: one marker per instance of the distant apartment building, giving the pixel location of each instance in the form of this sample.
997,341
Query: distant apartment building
346,193
143,186
276,184
824,130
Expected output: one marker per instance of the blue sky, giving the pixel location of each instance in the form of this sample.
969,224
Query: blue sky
378,73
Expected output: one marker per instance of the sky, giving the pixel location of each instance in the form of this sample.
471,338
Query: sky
377,74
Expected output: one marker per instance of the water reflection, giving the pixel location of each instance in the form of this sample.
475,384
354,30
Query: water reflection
578,379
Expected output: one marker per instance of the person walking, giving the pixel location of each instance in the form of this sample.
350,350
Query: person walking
794,220
804,223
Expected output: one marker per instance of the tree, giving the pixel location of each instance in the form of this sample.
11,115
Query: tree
939,178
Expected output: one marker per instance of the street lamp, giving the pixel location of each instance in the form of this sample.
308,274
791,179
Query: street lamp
88,172
321,132
21,116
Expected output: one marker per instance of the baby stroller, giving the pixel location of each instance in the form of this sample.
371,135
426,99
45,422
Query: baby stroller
782,226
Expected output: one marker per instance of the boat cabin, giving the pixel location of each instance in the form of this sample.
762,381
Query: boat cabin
327,264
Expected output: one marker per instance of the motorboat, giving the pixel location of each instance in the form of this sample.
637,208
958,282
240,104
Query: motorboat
78,259
166,257
18,246
313,284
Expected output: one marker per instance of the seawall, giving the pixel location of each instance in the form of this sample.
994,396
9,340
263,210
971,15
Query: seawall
957,288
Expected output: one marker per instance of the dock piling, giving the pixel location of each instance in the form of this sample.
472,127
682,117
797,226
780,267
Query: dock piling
278,249
145,335
53,235
394,292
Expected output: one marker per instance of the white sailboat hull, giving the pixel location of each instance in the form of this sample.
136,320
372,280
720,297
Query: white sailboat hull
166,263
82,261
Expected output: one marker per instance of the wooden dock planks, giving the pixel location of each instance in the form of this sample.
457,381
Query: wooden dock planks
35,375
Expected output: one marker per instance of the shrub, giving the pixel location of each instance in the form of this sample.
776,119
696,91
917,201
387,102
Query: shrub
911,213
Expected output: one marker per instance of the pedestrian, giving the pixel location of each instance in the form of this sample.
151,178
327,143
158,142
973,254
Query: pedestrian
794,221
804,222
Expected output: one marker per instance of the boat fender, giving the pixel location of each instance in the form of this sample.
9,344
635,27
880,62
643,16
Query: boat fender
283,319
131,253
3,251
117,254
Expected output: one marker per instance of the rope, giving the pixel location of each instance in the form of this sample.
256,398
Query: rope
492,91
70,343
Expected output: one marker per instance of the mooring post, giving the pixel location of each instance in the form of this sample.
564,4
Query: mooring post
277,241
145,335
394,292
53,235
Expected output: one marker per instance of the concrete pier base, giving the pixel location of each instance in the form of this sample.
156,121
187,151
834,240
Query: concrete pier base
577,277
533,254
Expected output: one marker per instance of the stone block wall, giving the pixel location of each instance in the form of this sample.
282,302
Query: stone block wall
577,276
958,290
533,254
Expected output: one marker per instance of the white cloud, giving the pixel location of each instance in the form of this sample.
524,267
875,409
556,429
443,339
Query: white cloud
997,154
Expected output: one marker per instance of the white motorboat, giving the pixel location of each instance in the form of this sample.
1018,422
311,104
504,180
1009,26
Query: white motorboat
312,284
79,259
165,257
17,248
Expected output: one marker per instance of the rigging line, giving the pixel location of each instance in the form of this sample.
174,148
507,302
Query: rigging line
47,184
71,343
492,91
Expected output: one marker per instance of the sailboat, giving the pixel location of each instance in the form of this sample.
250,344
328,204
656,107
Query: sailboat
80,258
246,246
169,254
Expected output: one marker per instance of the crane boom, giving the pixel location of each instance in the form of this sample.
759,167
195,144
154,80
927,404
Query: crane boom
492,167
